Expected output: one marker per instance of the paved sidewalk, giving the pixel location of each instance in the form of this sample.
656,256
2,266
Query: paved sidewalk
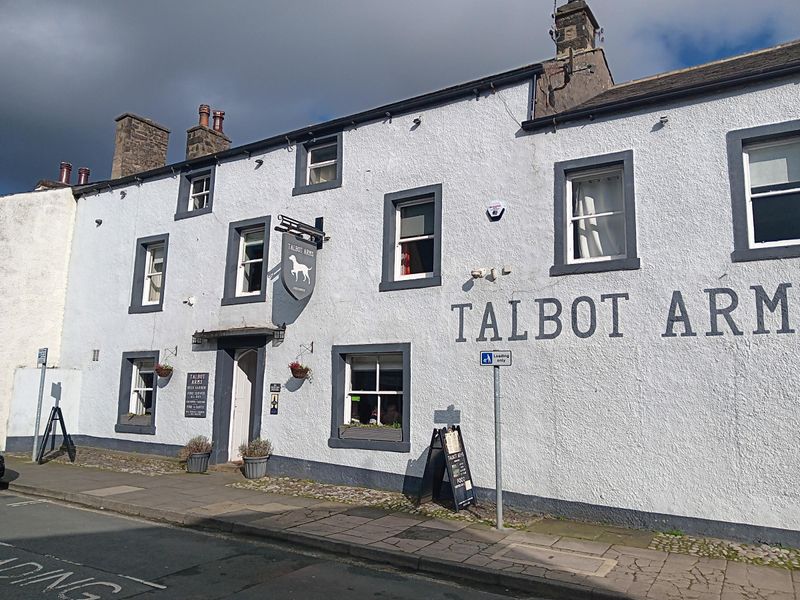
553,566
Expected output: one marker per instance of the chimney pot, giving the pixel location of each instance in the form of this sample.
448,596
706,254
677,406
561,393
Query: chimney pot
205,112
66,172
219,115
83,176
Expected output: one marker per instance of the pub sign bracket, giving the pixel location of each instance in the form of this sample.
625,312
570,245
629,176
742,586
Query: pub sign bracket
314,233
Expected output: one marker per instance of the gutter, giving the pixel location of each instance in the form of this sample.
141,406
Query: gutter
388,111
610,108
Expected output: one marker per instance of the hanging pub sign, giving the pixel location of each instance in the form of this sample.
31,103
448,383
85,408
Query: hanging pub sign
447,454
298,266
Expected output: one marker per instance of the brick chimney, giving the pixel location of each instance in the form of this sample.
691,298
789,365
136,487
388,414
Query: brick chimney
140,145
579,71
201,140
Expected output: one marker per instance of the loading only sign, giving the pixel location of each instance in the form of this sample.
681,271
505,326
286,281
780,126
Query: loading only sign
496,358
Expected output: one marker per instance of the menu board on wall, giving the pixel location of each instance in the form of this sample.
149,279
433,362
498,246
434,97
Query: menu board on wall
196,395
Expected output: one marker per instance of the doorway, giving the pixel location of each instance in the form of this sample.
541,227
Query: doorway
238,394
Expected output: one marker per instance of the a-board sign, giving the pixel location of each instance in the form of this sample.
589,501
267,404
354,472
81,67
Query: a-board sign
496,358
447,454
196,395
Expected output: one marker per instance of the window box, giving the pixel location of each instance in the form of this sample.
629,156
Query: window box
371,397
764,170
195,193
594,215
246,266
319,165
138,389
149,274
377,433
412,239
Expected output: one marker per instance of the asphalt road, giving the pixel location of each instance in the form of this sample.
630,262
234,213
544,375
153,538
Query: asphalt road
54,551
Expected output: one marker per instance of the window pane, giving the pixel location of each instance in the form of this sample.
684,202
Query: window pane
597,195
363,380
416,220
322,174
252,277
776,218
391,380
775,164
157,255
154,291
318,155
254,251
200,185
391,410
417,257
199,201
365,410
599,236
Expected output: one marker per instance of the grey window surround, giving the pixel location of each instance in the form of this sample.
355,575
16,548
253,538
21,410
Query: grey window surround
184,189
140,260
736,140
562,171
301,164
126,373
339,366
390,203
235,230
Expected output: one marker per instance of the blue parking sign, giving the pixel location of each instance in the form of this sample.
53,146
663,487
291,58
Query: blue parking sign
487,358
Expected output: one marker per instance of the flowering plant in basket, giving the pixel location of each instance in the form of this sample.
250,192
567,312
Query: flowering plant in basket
299,371
163,369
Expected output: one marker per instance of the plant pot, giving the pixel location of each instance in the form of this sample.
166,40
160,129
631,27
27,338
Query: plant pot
255,467
163,371
301,373
198,462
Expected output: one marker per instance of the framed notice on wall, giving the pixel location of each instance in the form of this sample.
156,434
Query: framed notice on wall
196,395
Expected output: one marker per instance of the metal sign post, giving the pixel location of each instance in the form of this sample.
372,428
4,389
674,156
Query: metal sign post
41,359
497,359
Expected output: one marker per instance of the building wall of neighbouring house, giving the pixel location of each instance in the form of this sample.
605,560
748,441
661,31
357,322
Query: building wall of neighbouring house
35,241
699,427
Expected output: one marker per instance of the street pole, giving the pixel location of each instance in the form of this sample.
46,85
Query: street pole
498,461
39,407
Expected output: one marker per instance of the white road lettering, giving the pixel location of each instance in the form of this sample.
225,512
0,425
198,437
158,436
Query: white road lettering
29,573
150,583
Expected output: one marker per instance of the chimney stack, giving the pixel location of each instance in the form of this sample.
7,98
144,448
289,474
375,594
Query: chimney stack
201,140
83,176
140,145
575,28
219,116
66,173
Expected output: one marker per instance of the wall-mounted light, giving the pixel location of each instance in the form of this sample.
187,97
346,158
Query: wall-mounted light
279,334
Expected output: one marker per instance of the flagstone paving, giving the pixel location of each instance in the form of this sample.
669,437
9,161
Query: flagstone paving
550,553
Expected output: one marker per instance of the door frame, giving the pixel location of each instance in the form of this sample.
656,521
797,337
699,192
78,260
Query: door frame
223,391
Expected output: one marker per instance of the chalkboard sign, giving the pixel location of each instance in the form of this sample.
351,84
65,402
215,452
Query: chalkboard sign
196,395
447,454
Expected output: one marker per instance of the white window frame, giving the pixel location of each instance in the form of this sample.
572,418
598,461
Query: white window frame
348,405
398,242
569,238
205,193
325,163
749,195
136,407
242,262
149,272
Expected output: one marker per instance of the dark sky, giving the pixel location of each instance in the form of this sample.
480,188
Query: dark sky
69,68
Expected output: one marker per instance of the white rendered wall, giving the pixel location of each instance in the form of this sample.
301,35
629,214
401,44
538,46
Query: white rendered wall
702,426
35,238
61,384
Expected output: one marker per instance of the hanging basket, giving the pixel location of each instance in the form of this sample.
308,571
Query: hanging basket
300,372
163,370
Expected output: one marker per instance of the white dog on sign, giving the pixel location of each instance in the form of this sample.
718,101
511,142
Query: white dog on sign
298,268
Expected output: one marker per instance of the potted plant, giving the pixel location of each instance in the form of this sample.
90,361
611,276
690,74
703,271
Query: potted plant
299,371
196,453
163,369
255,455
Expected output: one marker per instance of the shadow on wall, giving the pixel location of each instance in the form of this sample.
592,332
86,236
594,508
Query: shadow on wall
285,308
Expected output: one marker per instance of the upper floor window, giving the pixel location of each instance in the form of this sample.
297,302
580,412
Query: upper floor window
319,165
246,267
195,192
594,215
412,254
764,164
149,274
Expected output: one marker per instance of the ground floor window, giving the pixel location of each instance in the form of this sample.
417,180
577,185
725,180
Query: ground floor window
137,393
371,397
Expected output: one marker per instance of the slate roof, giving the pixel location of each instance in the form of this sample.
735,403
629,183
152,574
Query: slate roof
772,62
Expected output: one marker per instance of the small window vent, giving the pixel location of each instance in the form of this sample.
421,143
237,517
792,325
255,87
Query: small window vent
95,355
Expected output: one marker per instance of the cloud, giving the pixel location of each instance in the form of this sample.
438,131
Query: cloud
274,66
